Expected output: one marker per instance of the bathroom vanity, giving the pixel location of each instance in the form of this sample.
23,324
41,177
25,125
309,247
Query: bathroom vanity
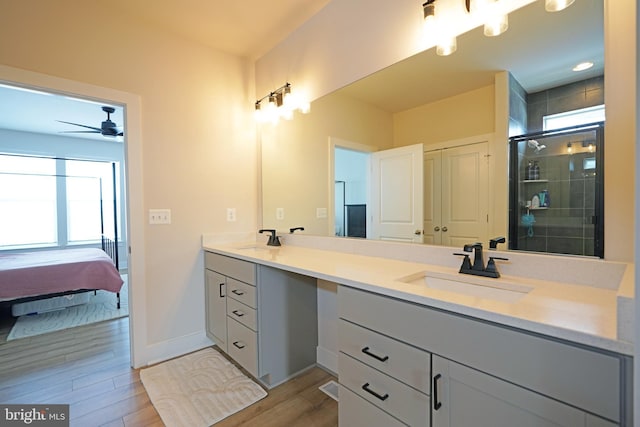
420,345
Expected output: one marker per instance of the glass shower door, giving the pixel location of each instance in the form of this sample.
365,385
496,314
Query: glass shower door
556,191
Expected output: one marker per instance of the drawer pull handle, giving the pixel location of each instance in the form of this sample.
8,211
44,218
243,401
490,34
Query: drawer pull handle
238,313
221,294
237,292
436,402
375,356
379,396
239,345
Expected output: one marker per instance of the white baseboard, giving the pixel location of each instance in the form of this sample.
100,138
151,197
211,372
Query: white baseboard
159,352
327,359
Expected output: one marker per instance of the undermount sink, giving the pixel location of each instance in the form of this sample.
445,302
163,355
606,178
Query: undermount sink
494,289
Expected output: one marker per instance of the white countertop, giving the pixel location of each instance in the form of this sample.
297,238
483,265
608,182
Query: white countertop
573,312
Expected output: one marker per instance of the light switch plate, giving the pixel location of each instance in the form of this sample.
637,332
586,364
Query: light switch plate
159,216
321,212
280,213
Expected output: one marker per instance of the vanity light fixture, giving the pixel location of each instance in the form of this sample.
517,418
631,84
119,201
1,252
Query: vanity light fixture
557,5
279,103
429,11
569,148
446,45
496,21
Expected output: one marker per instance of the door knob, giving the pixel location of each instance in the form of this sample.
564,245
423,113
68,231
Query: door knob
417,232
436,228
445,229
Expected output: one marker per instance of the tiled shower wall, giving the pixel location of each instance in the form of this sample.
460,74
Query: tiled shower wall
571,188
582,94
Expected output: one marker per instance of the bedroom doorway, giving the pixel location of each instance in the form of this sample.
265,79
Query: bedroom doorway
130,150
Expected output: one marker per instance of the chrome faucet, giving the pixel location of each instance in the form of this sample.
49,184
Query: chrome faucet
478,268
273,239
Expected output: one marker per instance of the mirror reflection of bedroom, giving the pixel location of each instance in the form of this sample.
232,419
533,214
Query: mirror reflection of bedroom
62,268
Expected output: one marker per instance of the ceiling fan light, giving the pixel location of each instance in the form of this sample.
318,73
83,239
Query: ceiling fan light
557,5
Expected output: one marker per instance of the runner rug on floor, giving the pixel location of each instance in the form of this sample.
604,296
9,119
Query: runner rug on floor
198,389
101,306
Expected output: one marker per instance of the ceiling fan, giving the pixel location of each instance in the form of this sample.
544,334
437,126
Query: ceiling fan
108,128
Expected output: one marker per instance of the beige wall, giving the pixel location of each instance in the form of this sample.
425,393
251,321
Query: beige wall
295,166
459,116
198,140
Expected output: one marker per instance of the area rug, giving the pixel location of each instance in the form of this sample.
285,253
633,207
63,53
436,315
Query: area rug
199,389
101,306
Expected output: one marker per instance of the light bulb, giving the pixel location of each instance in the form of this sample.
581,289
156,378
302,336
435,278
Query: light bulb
446,46
557,5
496,25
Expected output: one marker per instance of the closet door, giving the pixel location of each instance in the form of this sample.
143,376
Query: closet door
465,185
432,197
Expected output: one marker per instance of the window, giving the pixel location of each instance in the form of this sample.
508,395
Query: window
574,118
87,184
28,214
54,202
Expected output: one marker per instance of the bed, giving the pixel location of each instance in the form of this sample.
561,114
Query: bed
45,275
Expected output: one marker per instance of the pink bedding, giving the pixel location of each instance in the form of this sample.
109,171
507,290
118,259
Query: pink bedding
29,274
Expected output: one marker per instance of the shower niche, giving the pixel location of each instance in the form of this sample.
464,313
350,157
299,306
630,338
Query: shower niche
556,191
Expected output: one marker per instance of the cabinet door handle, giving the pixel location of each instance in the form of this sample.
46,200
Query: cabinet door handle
237,292
221,294
436,402
445,229
239,344
238,313
375,356
366,388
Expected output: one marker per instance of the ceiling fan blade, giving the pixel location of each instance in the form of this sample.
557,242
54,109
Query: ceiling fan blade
84,126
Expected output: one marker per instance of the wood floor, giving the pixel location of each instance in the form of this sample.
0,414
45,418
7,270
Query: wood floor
88,368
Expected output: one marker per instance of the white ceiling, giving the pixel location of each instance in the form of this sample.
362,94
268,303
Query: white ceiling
538,49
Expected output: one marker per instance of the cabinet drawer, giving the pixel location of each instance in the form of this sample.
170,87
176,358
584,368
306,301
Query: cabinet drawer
243,346
354,411
401,361
242,313
408,405
242,292
565,372
236,268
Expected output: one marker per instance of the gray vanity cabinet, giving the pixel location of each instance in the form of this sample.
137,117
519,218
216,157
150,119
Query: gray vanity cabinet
263,318
482,374
465,397
216,307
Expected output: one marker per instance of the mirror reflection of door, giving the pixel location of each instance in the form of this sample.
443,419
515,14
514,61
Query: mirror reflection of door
350,194
456,192
397,194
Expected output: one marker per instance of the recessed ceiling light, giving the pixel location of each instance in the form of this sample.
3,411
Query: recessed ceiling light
583,66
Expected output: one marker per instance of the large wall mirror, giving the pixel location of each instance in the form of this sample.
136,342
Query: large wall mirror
439,114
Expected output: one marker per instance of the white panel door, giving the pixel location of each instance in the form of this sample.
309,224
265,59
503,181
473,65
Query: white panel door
465,185
397,194
432,211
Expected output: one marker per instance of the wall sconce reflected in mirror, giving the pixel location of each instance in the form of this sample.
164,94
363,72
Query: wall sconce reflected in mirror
280,103
557,5
569,148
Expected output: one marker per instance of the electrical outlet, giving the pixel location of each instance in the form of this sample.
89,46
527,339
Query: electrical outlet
159,216
280,213
321,212
231,214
